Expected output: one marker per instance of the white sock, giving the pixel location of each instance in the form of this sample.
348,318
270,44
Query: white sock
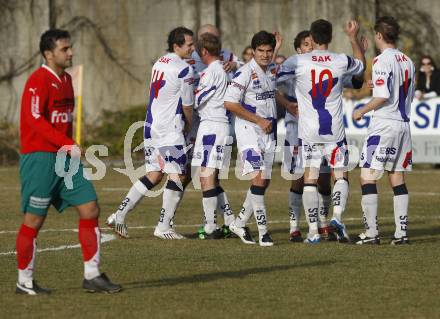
310,203
245,212
401,201
369,208
209,205
295,204
324,207
170,200
259,207
340,196
224,207
134,196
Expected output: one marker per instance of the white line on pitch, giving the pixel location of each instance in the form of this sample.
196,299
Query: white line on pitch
104,238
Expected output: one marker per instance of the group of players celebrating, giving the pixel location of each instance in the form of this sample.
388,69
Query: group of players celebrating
196,89
193,94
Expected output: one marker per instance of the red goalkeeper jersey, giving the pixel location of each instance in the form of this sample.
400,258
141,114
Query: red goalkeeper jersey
46,112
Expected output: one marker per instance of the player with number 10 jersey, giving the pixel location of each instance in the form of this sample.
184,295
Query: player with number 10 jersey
318,79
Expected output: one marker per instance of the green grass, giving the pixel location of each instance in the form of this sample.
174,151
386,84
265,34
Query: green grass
225,278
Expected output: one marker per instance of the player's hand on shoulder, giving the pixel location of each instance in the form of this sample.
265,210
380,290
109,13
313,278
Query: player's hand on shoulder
229,66
265,125
352,28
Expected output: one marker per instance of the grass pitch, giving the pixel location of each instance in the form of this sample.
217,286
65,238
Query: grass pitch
225,278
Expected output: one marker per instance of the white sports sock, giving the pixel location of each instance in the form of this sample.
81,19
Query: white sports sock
209,202
310,203
245,212
401,214
134,196
369,208
295,204
259,207
340,196
324,207
224,207
170,201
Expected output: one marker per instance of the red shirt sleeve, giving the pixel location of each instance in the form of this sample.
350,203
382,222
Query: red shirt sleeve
35,101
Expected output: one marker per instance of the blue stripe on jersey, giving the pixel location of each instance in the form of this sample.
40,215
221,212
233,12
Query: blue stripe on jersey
184,72
318,102
390,76
179,109
372,143
201,96
291,98
208,143
402,99
280,74
248,107
349,62
236,74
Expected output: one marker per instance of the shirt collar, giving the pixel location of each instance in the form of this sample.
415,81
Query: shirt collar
51,71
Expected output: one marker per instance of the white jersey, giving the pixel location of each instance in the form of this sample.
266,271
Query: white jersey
254,89
393,79
319,77
171,87
209,96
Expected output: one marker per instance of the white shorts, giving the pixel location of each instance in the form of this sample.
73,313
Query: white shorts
387,146
333,155
167,154
192,135
256,149
291,150
213,145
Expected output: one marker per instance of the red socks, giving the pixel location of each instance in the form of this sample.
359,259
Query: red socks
89,237
26,246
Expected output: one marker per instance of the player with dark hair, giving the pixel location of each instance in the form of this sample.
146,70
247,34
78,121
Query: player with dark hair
251,97
303,44
319,77
169,113
388,143
46,128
